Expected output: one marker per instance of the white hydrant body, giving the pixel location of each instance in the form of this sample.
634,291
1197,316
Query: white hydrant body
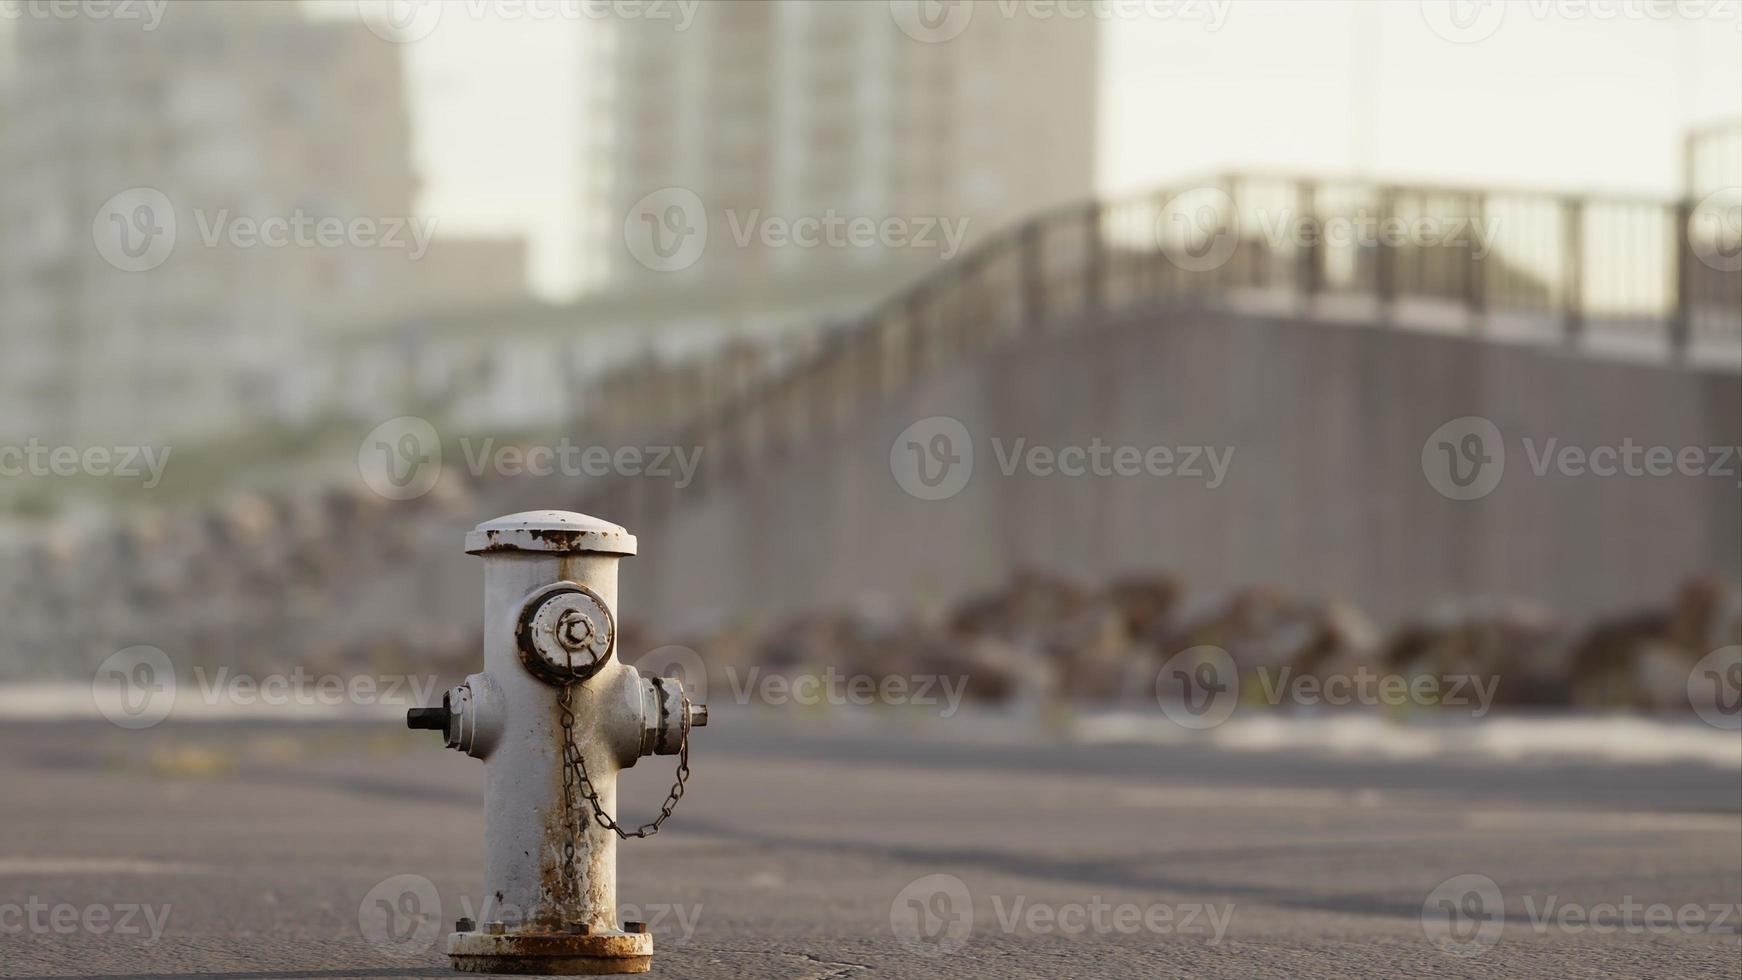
550,864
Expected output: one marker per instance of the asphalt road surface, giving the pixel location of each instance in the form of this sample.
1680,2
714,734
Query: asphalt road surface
808,851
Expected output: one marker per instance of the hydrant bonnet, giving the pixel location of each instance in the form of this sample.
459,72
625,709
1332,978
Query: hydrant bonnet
557,531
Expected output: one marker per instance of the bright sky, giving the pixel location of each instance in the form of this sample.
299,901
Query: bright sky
1579,94
1562,101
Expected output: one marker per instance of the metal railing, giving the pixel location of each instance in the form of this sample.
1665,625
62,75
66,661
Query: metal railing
1570,267
1527,266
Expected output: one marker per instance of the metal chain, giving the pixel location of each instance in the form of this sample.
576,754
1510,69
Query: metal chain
575,769
571,757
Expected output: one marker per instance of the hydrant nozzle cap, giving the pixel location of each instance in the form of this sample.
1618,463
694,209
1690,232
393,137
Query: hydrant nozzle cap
561,531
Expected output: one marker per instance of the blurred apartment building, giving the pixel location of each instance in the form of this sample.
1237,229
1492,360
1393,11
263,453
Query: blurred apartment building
1712,157
766,111
235,113
769,113
772,112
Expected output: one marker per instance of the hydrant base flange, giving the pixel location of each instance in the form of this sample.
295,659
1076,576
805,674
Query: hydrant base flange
551,954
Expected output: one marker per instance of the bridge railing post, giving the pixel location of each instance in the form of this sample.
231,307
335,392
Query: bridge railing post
1229,274
1475,285
1681,316
1031,276
1573,269
1094,261
913,336
1309,267
1385,258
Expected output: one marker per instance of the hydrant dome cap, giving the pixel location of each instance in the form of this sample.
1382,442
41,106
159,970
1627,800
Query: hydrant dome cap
549,530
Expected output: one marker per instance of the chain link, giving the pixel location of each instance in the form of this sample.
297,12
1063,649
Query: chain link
575,777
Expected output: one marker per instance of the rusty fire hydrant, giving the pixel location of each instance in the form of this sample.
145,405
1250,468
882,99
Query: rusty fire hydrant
555,716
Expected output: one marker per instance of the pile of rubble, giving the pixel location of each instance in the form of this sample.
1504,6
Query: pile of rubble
256,581
1046,638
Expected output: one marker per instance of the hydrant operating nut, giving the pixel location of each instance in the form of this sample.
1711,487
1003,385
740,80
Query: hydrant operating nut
566,633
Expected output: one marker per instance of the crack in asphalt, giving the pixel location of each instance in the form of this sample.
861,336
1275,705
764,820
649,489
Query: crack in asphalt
845,968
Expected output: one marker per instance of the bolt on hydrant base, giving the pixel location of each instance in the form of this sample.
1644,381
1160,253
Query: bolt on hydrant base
555,715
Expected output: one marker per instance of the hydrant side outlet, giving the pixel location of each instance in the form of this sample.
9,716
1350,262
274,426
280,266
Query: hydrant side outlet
555,715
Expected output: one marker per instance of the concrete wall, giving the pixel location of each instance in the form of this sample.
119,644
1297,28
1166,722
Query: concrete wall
1326,492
